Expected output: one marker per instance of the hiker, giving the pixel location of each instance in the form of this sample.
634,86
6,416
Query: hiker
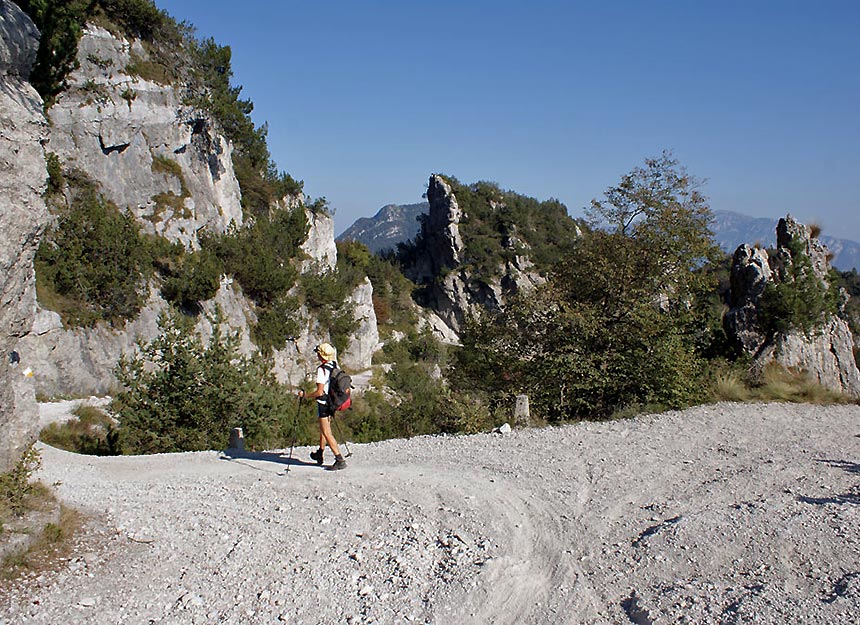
326,355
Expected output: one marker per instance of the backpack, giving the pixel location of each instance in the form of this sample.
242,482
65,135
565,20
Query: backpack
339,386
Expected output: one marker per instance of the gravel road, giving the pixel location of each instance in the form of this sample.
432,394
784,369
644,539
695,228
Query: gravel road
725,513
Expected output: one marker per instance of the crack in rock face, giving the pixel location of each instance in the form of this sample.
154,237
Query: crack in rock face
110,149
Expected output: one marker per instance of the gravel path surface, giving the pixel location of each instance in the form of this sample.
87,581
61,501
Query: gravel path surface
725,513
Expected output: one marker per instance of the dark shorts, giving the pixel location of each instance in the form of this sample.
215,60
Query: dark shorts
323,411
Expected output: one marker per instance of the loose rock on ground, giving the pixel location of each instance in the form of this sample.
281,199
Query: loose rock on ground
725,513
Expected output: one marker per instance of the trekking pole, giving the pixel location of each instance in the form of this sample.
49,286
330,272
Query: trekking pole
340,436
293,435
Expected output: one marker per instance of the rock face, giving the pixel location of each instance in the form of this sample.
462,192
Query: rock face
295,362
750,274
23,216
826,354
167,164
365,341
80,361
150,153
452,291
319,246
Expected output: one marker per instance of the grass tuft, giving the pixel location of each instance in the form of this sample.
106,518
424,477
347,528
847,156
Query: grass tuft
730,386
92,432
55,541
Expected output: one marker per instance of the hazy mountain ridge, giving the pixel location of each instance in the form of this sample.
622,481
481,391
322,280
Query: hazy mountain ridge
397,223
392,224
733,229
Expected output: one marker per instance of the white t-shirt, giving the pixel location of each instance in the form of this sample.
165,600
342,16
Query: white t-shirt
323,376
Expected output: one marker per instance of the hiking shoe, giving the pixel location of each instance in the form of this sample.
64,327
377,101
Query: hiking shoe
339,463
317,456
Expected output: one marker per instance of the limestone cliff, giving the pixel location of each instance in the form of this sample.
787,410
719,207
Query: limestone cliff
453,290
23,132
826,353
169,164
150,153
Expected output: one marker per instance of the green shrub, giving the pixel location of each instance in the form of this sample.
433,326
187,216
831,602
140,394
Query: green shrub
183,395
92,432
137,18
325,293
94,261
16,487
416,400
462,414
261,257
392,291
372,417
60,25
277,322
797,299
598,338
129,95
97,93
103,64
194,278
56,179
259,254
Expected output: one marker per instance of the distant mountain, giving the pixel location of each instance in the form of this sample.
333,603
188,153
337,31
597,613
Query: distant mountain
733,229
396,223
392,224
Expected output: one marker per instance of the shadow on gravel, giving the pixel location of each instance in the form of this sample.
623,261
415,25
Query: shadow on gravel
236,455
848,498
848,467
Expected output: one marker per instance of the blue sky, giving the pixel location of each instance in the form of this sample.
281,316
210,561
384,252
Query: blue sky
364,100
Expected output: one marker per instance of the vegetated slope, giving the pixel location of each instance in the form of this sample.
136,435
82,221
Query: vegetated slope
393,224
722,513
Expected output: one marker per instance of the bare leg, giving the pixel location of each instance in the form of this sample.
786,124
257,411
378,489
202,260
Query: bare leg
327,437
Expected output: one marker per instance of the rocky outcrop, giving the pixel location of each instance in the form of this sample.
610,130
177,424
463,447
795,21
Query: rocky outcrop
150,153
365,340
788,230
166,163
436,265
826,354
81,361
733,229
451,290
750,274
319,246
23,174
76,361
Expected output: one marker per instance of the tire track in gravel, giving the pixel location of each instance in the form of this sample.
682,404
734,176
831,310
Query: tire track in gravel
637,519
531,529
